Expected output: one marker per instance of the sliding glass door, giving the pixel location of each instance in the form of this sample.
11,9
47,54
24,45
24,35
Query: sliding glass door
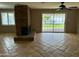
53,22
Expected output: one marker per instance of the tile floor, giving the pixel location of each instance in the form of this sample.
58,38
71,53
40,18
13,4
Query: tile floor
44,45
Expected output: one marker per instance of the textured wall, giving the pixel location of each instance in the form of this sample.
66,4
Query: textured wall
78,23
36,18
70,22
36,21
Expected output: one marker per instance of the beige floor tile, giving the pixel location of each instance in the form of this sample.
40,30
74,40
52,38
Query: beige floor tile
44,45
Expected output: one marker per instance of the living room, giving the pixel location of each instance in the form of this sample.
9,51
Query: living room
19,19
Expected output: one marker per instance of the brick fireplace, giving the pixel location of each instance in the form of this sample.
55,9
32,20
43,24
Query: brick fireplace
23,23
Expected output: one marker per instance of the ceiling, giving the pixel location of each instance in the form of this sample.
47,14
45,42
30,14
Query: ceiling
38,5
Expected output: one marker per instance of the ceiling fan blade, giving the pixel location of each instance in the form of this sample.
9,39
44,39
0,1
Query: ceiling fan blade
73,8
63,7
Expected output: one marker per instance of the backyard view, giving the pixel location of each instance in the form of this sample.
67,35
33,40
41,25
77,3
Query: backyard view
53,22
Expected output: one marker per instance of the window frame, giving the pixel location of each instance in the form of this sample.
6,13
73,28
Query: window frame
7,19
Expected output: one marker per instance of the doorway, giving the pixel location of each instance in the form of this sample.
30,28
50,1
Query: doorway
53,22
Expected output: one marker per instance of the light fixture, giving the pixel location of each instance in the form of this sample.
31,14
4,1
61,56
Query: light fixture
63,7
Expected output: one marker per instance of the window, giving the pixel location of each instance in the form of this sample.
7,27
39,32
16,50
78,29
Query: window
7,18
53,22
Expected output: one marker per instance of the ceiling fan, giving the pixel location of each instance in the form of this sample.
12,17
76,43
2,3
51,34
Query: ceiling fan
63,7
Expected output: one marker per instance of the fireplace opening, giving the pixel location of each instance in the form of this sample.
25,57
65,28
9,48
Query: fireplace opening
25,30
